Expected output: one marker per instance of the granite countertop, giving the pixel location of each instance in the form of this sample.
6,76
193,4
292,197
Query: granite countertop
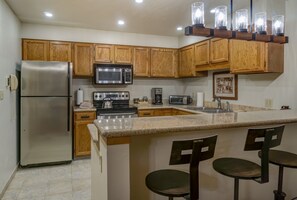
78,109
201,121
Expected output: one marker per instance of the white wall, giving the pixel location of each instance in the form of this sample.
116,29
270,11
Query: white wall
254,89
37,31
9,56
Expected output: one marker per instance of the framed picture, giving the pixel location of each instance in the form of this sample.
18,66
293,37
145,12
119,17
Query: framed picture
225,85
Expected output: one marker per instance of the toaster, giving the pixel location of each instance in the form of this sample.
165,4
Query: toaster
180,99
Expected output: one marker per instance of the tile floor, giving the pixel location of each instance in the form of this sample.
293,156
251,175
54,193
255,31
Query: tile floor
62,182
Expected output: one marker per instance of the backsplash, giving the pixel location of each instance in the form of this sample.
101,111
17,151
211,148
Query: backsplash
139,88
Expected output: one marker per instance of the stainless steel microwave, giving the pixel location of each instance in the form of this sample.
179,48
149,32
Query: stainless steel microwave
113,74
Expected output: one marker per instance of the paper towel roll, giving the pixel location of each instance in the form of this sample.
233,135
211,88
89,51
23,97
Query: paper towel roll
79,96
200,99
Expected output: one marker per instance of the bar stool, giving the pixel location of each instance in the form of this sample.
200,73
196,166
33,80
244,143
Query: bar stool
282,159
257,139
174,183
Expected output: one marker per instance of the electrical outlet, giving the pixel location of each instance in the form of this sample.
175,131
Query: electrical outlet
268,103
1,95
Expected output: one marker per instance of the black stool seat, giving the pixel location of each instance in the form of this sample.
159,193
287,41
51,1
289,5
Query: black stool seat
237,168
171,183
283,158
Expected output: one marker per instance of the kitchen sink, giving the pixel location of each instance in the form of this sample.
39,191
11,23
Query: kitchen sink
209,110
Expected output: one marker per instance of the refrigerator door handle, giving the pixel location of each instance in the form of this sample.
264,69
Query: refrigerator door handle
68,114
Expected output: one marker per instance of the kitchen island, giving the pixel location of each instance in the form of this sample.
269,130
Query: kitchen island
130,148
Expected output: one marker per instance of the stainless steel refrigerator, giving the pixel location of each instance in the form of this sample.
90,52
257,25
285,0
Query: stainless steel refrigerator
45,113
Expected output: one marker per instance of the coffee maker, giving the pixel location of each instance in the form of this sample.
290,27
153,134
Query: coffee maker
157,96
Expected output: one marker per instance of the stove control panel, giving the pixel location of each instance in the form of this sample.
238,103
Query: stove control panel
100,96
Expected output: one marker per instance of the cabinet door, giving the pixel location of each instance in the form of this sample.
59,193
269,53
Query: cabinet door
104,53
247,56
219,50
201,56
82,139
163,112
35,50
141,61
163,62
186,62
60,51
82,59
123,54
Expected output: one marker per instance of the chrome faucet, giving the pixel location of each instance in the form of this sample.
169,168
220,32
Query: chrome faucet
228,106
219,102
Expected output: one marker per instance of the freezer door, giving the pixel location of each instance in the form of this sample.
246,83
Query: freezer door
46,134
45,78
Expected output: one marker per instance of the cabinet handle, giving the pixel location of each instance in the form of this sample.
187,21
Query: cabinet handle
85,117
146,113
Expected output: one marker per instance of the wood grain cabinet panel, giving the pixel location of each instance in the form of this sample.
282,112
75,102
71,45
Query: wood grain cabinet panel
35,50
219,50
104,53
82,59
60,51
123,54
141,61
82,139
256,57
201,56
186,62
163,62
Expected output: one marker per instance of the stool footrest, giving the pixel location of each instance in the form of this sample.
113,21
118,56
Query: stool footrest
279,195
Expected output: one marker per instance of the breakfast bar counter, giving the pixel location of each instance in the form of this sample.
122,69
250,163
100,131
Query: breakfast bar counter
197,121
130,148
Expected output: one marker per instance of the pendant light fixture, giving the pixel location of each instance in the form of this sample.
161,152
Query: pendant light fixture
243,30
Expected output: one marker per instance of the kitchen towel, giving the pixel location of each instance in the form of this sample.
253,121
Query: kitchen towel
79,96
200,99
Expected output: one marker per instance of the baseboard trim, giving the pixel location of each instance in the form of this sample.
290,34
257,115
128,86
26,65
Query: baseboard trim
9,181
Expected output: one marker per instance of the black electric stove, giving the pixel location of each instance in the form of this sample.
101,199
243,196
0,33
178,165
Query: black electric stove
120,105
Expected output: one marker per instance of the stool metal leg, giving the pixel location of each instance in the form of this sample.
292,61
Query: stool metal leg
170,198
279,194
236,188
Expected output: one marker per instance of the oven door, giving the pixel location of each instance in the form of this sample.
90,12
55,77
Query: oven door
116,115
109,75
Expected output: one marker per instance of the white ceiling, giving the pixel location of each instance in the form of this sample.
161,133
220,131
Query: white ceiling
159,17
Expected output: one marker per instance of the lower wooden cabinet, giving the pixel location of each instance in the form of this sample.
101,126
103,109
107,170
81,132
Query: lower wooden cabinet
162,112
82,139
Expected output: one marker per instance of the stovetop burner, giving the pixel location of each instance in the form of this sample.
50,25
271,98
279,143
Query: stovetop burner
120,103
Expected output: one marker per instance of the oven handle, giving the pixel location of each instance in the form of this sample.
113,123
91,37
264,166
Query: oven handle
113,114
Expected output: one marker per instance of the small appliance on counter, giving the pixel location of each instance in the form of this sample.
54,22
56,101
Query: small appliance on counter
157,96
180,100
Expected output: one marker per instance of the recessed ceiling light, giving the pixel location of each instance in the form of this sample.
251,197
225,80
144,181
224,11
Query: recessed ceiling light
48,14
179,28
213,10
121,22
138,1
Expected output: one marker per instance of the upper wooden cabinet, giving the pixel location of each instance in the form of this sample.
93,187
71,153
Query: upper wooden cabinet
201,53
186,62
104,53
256,57
163,62
35,50
219,50
60,51
123,54
82,59
141,61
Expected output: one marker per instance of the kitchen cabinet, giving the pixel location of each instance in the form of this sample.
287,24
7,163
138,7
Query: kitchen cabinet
141,62
219,50
104,53
164,62
60,51
256,57
201,56
82,140
35,50
82,59
162,112
123,54
186,62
